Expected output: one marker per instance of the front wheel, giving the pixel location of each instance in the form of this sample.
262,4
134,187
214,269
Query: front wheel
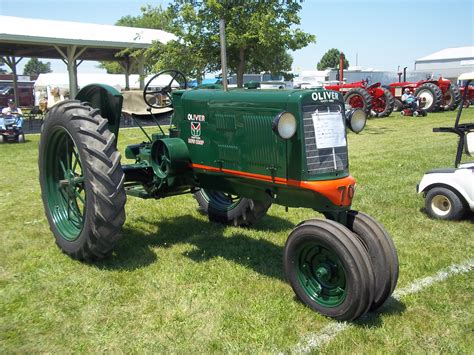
329,269
230,209
81,181
443,203
382,253
397,105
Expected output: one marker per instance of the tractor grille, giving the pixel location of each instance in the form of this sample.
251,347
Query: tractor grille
325,160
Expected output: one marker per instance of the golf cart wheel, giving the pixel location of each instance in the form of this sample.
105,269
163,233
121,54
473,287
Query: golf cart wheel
329,269
230,209
443,203
452,97
359,98
81,181
397,105
21,138
382,253
430,96
383,106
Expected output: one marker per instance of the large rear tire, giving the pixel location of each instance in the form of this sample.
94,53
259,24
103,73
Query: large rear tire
383,106
430,96
359,98
329,269
81,181
230,209
382,252
452,98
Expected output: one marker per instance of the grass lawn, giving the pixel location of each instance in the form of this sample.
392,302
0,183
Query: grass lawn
178,283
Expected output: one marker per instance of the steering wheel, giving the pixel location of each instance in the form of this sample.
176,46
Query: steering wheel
157,94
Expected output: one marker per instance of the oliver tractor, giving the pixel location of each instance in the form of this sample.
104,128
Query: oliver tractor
373,99
435,95
239,152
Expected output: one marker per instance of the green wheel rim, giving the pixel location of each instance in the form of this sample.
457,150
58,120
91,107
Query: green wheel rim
65,192
221,201
320,273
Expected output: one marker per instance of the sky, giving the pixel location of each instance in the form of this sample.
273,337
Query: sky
378,34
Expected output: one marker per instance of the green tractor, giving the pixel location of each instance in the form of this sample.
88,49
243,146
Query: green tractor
238,151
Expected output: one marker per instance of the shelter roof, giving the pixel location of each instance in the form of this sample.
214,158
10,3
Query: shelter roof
26,37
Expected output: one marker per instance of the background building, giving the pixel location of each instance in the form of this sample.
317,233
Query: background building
448,63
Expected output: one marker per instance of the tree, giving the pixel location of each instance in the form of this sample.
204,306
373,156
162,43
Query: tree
35,67
258,35
330,60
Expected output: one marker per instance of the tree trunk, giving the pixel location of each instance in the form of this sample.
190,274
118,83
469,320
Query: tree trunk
241,68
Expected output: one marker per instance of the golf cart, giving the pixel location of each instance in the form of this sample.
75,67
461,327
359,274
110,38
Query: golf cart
449,192
10,128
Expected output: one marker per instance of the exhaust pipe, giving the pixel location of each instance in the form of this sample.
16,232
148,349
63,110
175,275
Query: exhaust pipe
223,53
341,67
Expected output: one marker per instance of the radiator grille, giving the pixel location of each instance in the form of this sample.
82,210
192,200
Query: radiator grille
326,160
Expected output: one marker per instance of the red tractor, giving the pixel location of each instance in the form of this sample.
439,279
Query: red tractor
435,95
469,96
373,99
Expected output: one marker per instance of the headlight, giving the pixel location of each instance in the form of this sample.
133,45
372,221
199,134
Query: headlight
284,125
356,119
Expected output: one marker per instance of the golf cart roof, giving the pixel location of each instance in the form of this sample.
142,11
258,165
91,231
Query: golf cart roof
467,76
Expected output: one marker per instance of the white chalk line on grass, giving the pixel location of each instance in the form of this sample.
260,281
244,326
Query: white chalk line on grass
329,332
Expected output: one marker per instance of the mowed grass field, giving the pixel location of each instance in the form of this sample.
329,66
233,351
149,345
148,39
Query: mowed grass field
178,283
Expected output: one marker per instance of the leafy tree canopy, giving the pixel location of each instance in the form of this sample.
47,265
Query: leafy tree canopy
35,67
330,60
258,33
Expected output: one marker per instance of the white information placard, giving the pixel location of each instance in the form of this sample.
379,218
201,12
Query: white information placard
329,129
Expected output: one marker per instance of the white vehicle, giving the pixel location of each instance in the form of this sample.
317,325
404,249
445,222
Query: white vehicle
449,193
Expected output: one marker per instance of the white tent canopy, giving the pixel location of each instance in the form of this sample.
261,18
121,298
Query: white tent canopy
61,80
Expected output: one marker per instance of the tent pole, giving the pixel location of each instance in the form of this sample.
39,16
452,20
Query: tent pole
69,58
141,70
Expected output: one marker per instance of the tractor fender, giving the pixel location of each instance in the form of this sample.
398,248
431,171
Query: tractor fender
105,98
460,181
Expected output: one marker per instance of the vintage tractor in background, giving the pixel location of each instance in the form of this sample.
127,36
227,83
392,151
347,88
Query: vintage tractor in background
239,152
435,95
468,99
374,99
